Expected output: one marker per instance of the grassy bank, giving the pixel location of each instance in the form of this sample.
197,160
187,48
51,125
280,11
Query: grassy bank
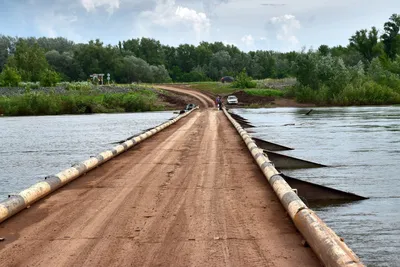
216,88
363,93
267,87
265,92
40,103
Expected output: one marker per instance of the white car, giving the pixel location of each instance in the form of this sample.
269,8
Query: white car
232,100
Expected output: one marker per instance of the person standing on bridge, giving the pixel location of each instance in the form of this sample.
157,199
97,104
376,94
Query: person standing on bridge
218,101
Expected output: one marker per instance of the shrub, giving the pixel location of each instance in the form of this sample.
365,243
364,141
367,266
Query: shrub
369,93
193,76
39,103
49,78
244,81
79,86
10,77
29,85
265,92
378,72
305,94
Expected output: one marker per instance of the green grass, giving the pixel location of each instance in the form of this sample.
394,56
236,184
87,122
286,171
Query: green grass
225,89
214,87
366,93
265,92
78,103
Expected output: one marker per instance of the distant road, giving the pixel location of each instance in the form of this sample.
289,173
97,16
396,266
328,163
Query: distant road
205,101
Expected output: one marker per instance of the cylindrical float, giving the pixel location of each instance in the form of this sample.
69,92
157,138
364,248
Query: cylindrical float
329,247
27,197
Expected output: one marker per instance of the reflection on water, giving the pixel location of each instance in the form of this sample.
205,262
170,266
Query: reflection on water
362,147
34,147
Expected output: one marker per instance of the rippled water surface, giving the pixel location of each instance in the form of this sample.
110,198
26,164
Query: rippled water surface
34,147
362,147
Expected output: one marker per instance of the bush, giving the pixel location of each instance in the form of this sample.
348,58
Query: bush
78,86
244,81
193,76
49,78
10,77
29,85
378,72
315,71
265,92
370,93
327,80
38,103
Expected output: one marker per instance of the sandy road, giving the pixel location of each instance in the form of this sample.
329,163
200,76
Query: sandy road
203,100
189,196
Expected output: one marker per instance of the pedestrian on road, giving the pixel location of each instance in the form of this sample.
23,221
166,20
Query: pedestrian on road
218,101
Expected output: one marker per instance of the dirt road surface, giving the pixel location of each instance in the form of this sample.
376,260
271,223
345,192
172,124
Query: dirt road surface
202,100
189,196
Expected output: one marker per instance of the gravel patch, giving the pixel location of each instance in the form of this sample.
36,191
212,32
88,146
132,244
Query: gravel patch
11,91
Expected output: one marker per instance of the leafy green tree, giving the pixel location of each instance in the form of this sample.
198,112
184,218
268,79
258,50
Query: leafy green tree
49,78
243,81
217,47
241,61
10,77
349,54
366,43
132,45
66,65
186,57
305,70
7,48
323,50
30,61
151,51
176,73
170,57
136,70
391,37
220,65
96,58
59,44
203,53
160,74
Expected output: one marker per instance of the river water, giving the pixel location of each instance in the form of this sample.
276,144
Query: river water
361,146
34,147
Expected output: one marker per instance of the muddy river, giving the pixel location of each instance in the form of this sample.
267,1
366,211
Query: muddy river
34,147
361,145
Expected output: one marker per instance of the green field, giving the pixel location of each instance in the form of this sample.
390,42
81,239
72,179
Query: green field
214,87
261,90
265,92
40,103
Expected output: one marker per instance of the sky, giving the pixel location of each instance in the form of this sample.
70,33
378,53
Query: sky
280,25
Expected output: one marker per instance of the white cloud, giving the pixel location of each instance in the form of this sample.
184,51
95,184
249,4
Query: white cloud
92,5
168,14
55,25
248,40
201,24
287,27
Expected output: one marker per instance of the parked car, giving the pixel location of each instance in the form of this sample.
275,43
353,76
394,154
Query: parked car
232,100
227,79
190,106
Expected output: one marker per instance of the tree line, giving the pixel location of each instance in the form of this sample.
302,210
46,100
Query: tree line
50,60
